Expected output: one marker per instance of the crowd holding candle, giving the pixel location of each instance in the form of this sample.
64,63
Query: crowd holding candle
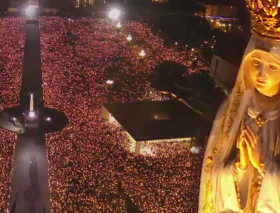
12,36
91,166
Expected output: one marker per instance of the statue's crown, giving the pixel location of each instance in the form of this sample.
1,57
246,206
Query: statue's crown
265,17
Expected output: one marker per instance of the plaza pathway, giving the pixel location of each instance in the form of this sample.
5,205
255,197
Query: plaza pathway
30,189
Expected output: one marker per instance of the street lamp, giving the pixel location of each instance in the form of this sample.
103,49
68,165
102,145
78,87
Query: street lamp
195,150
30,11
129,38
118,26
31,114
109,82
114,14
142,54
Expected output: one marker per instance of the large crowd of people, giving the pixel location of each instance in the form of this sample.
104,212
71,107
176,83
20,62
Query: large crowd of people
12,35
91,167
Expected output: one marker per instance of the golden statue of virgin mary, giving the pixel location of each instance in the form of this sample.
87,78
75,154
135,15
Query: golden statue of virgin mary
241,167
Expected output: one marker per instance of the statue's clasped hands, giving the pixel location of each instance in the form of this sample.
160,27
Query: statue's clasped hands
250,148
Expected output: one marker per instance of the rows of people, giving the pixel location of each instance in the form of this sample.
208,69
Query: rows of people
91,167
12,35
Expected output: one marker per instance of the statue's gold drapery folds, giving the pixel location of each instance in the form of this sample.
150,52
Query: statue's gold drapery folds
209,204
223,187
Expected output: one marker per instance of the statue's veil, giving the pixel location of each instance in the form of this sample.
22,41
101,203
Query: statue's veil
226,125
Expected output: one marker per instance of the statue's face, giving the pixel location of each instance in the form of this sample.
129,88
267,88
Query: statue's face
264,71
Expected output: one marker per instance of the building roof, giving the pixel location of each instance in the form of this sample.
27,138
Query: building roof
158,120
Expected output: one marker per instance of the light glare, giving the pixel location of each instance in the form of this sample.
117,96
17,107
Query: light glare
129,38
194,150
30,11
31,114
114,14
118,26
110,82
142,53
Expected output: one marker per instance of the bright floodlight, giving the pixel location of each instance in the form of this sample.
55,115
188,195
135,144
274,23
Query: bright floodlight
119,25
30,11
142,53
110,82
48,119
129,38
114,14
31,114
194,150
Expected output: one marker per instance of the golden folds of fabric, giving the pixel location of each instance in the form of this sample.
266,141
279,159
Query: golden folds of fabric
265,17
208,208
228,117
231,111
